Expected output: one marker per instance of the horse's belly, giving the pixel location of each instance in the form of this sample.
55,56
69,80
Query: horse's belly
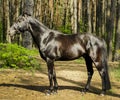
67,58
71,55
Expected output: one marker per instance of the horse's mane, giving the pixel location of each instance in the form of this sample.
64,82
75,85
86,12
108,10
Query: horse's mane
36,22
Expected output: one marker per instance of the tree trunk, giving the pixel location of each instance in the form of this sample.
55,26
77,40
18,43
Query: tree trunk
74,15
110,26
79,15
116,55
99,18
103,19
118,27
51,6
28,10
108,23
38,10
84,15
71,4
16,10
94,16
6,21
79,10
14,13
89,16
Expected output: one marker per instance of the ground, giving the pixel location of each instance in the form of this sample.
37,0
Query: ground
26,85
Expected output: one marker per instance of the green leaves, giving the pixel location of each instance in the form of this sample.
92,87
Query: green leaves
14,56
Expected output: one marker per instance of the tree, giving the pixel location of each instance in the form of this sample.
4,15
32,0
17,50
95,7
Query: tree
118,27
6,21
51,10
117,35
26,37
94,16
14,13
74,15
110,25
79,10
89,16
38,9
16,10
103,19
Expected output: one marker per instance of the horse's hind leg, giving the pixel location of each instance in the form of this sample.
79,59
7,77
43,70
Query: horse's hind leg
90,71
103,71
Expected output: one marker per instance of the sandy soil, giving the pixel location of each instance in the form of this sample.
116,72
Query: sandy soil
25,85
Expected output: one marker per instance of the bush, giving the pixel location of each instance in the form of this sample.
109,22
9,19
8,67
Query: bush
14,56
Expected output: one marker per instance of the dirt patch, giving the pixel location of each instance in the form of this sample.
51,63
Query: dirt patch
24,85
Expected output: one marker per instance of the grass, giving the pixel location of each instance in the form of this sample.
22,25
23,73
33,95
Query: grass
80,60
115,71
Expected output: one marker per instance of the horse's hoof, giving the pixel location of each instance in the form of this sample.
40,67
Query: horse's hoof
84,91
50,92
102,94
55,92
47,92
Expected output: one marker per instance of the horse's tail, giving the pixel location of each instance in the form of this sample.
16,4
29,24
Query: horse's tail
106,73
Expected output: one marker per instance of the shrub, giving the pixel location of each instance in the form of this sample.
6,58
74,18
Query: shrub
14,56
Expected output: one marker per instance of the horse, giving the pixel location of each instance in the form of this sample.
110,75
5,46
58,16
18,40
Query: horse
56,46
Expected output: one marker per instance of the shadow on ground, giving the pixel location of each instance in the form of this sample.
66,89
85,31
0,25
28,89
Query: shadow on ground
42,89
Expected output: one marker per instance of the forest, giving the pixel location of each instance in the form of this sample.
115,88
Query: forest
24,75
99,17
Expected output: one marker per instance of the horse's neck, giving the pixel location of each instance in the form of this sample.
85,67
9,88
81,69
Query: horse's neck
37,26
39,32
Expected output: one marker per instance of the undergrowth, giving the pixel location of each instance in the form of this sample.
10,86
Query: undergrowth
14,56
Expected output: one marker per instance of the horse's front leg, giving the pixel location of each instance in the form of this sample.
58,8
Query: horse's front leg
52,77
90,71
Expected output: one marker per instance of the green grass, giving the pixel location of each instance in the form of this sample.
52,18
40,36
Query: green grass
115,72
80,60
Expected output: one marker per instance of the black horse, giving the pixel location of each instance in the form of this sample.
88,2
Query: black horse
56,46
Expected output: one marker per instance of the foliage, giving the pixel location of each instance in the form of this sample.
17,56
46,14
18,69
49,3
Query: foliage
65,29
14,56
82,26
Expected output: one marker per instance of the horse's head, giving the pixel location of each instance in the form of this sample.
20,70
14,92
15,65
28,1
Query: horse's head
21,25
